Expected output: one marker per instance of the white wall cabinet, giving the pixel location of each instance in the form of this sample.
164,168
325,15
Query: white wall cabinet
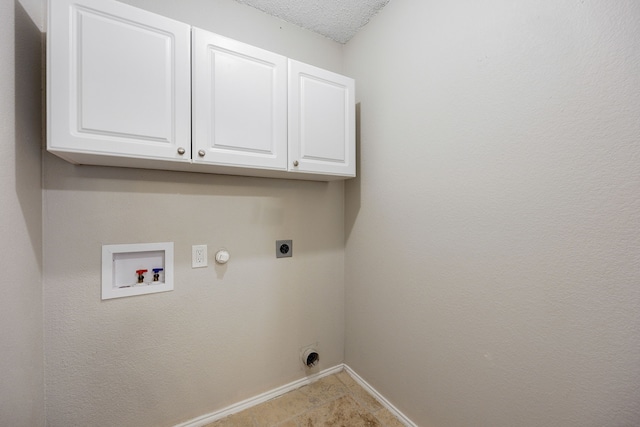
126,87
239,103
321,121
118,82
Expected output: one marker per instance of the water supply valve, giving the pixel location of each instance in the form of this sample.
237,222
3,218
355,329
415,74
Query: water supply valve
140,274
156,274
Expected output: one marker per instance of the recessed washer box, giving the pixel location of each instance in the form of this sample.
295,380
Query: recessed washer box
136,269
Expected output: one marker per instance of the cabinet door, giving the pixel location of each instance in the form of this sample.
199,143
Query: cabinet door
239,103
118,81
321,121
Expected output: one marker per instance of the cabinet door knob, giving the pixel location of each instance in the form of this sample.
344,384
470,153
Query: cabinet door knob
295,163
181,151
201,153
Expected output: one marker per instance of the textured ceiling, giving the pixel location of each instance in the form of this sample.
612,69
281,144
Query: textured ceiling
337,19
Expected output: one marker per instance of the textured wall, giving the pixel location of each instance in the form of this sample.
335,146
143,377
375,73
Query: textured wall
493,252
224,334
21,354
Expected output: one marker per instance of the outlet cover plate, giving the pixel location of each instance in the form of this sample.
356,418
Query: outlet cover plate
198,256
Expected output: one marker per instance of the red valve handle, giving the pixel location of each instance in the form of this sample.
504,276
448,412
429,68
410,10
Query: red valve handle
139,272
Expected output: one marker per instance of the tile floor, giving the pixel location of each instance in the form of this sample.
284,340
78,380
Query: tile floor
336,400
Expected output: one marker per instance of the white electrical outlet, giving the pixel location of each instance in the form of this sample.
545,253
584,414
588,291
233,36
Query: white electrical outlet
198,256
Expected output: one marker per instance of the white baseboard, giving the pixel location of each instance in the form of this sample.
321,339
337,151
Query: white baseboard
272,394
256,400
372,391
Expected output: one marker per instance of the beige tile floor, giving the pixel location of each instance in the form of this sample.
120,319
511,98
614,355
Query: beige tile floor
336,401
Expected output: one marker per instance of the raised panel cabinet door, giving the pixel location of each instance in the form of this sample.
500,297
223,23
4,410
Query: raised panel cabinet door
321,121
239,103
118,81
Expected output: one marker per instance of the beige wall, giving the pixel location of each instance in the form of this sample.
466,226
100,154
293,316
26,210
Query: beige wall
492,237
493,252
21,353
224,334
